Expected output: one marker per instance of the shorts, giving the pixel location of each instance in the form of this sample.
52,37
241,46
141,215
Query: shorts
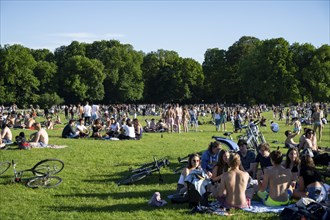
268,201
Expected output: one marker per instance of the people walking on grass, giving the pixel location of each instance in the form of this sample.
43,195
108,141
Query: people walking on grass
217,117
317,120
87,114
185,119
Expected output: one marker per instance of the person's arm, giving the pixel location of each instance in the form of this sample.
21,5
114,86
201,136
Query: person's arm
262,185
37,138
222,189
205,161
215,177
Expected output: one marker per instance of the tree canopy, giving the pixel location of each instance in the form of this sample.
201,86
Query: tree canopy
251,71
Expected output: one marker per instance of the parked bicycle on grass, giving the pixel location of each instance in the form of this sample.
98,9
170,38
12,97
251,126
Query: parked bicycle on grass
40,175
145,170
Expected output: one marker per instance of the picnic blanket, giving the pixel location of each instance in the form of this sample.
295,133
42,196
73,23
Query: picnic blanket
259,207
53,146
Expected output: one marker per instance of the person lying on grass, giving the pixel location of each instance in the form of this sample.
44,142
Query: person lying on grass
275,189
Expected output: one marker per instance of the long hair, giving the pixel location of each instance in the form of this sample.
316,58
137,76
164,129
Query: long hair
222,165
288,160
191,157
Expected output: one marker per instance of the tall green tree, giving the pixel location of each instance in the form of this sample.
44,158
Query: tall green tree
83,80
123,82
18,81
320,79
236,92
268,73
215,68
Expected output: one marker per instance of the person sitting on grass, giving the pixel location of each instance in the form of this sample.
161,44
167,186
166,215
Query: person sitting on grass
97,128
275,188
127,131
262,158
193,163
82,129
310,182
292,162
233,185
49,123
248,157
289,142
40,138
6,135
69,131
210,157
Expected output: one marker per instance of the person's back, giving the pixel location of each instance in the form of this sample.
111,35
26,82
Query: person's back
278,183
275,189
233,185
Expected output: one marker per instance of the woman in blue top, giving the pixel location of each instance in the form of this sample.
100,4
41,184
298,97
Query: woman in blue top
210,157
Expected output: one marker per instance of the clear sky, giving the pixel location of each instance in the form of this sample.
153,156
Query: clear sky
187,27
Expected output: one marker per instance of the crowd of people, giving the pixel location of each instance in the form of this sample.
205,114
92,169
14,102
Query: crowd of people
230,173
233,178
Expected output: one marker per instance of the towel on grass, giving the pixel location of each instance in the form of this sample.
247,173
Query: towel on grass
259,207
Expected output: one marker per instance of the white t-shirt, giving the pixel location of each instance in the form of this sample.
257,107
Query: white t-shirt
87,111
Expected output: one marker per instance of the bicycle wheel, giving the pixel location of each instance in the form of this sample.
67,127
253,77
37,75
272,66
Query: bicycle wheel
48,166
132,179
44,181
4,166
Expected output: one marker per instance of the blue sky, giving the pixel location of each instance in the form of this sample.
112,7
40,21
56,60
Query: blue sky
187,27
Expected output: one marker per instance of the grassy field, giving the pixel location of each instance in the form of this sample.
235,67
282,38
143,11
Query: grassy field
92,168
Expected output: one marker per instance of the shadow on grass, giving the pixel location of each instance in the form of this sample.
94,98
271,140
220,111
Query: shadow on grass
128,208
120,195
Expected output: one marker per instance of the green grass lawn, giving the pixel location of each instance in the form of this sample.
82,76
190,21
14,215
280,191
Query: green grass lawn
92,168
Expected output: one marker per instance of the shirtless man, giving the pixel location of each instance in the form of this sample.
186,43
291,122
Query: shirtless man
233,185
6,134
170,115
178,118
289,142
39,139
277,180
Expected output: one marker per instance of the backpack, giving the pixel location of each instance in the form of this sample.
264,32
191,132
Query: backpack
313,211
22,143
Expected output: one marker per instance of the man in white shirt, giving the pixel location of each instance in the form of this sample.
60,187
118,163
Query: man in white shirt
87,113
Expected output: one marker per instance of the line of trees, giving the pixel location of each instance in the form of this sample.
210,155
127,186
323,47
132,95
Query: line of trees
250,71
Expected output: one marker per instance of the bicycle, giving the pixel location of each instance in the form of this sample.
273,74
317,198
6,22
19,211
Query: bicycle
40,175
144,171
